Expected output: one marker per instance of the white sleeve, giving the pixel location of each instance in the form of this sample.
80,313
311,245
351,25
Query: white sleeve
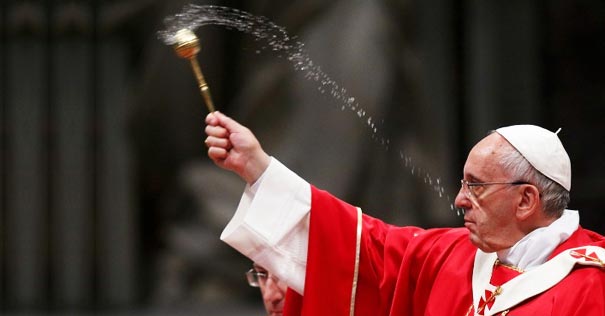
271,224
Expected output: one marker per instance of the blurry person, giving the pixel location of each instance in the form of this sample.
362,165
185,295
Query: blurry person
272,289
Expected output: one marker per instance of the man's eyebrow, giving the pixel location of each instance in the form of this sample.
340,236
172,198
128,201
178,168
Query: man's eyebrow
472,178
469,177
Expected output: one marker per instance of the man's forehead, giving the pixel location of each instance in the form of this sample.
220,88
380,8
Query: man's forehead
491,144
483,159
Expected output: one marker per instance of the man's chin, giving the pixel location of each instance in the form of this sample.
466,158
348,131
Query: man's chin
481,245
477,242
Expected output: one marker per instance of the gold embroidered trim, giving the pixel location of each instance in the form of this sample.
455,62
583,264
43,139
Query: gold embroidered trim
588,258
509,266
468,312
356,271
488,300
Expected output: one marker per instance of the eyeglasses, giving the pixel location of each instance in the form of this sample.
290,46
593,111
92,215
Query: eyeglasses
255,278
471,187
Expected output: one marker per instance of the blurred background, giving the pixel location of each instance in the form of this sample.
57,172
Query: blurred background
109,204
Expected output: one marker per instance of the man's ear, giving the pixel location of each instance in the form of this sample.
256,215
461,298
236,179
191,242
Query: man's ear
529,202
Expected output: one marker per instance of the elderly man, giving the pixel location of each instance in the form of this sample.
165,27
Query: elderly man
521,252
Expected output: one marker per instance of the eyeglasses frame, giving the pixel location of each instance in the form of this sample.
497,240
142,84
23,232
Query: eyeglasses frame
468,185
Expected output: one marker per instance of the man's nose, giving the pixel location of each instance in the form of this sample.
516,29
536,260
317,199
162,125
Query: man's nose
272,291
462,201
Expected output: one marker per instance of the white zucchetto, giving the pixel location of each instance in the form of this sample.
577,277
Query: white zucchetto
543,149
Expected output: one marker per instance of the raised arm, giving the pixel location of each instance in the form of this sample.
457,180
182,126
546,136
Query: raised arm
270,225
234,147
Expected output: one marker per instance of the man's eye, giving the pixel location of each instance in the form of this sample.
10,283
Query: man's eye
477,188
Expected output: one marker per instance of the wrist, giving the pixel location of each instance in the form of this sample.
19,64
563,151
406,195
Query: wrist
256,170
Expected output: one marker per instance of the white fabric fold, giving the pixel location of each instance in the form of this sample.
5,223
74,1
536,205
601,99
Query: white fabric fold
533,249
271,224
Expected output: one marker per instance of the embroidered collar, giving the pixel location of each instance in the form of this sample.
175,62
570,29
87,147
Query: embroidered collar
491,299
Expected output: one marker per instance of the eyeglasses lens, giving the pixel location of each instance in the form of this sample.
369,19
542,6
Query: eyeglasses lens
255,278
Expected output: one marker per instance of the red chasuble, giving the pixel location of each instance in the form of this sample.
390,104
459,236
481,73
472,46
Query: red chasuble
410,271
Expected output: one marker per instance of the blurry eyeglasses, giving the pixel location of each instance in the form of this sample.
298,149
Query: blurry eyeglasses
255,278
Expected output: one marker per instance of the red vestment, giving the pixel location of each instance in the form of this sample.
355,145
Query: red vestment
410,271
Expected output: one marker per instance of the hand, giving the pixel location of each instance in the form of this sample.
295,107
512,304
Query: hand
232,146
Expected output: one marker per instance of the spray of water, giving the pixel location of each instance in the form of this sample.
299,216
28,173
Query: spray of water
275,38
